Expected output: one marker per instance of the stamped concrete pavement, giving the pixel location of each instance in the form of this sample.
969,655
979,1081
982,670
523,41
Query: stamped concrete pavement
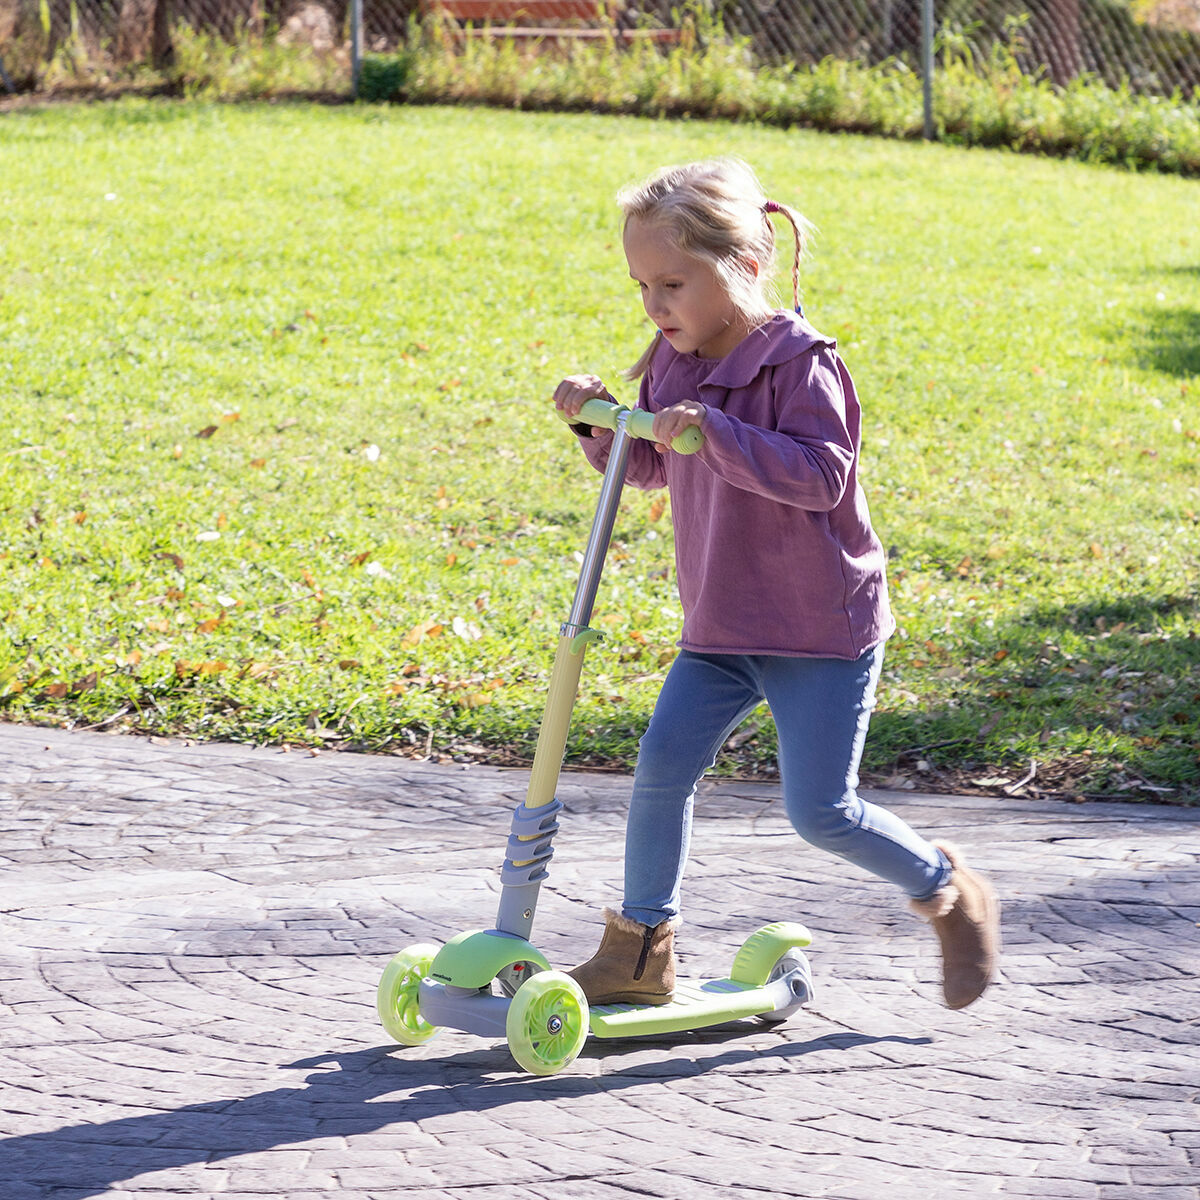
192,936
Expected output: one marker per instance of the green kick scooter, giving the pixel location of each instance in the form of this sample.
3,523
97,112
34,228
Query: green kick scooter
494,982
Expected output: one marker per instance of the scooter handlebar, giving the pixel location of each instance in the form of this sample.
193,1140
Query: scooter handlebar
639,424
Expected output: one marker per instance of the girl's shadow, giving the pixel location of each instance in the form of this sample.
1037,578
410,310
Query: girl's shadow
345,1097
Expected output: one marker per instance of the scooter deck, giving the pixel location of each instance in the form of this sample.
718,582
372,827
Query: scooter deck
694,1006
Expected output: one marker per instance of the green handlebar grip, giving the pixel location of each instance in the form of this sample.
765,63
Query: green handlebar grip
639,424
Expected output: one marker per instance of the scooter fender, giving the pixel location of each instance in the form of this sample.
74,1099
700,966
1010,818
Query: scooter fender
763,949
473,959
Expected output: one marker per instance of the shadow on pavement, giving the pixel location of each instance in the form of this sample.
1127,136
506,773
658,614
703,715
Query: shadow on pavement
347,1098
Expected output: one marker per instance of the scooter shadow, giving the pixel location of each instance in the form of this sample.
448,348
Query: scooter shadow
485,1073
608,1049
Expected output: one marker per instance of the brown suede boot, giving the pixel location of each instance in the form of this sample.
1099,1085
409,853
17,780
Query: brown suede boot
634,965
965,915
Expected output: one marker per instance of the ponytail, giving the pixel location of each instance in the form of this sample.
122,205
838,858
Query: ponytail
800,230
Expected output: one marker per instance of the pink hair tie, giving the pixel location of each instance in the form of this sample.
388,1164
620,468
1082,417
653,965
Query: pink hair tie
772,207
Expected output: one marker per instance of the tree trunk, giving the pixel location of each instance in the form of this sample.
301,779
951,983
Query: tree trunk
143,32
161,49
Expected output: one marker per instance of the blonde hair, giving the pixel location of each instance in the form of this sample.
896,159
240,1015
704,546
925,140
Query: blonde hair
715,211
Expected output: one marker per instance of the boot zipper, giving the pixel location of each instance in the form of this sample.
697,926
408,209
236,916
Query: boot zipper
647,938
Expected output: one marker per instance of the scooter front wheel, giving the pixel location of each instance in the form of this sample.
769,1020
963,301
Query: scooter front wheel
397,1000
547,1023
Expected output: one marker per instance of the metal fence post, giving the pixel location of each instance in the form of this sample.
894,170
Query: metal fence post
356,42
927,65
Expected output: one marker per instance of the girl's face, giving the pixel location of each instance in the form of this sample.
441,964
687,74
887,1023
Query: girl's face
682,295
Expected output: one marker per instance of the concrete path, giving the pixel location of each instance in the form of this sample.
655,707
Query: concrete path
192,936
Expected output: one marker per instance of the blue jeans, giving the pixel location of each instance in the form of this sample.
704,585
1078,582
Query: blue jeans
821,708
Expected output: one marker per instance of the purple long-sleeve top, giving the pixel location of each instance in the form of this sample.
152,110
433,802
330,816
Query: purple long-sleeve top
774,549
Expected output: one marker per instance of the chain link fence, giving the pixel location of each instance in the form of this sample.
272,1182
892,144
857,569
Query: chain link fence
1154,45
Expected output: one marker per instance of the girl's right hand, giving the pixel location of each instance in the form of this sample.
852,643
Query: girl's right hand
574,391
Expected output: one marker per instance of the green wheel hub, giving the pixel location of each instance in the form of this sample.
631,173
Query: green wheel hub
398,996
547,1023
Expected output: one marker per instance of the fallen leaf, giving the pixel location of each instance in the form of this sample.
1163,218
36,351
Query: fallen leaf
185,668
207,431
419,632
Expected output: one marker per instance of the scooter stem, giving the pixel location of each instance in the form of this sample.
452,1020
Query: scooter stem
534,824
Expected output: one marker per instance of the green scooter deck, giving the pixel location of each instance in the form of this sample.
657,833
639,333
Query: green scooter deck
694,1006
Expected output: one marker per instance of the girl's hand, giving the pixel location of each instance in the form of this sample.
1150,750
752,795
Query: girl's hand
671,422
574,391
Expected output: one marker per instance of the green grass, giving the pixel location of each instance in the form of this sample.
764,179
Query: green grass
212,316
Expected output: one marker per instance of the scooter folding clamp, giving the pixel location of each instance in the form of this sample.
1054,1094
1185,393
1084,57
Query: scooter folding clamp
529,848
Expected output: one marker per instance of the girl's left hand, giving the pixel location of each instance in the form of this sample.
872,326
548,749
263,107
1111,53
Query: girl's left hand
671,422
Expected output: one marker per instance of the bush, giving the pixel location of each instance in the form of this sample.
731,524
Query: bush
384,77
710,74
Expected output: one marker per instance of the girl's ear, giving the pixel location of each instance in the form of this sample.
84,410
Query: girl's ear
751,265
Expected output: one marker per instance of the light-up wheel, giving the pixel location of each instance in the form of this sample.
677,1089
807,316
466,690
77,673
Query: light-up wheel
397,998
547,1023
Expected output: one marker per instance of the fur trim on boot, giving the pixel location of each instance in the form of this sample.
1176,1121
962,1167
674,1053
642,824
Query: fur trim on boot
965,915
635,963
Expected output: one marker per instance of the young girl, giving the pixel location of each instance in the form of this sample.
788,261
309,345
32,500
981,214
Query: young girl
780,574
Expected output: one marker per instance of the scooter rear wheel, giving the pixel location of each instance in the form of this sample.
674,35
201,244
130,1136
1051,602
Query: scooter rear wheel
397,1000
547,1023
802,988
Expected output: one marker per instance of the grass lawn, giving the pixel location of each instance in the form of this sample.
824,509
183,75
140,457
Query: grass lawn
278,462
